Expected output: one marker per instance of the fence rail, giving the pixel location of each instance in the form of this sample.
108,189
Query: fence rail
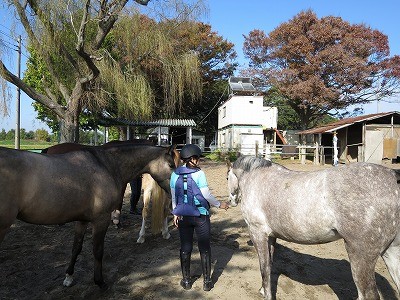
318,154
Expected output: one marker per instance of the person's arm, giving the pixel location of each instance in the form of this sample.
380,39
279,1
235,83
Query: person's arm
203,185
173,200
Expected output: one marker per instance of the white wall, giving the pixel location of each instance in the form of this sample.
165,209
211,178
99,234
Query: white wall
241,110
270,117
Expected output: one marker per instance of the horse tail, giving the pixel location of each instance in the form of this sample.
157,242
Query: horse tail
159,196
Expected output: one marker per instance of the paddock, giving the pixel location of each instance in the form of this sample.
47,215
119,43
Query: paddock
33,260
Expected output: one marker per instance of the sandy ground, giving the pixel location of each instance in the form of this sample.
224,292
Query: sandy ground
33,260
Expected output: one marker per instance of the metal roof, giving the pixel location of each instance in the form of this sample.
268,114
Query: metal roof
154,123
330,128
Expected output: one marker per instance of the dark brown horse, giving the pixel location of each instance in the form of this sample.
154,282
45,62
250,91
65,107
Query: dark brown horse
152,193
83,185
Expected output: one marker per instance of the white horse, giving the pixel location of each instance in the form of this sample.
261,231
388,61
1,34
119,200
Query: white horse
359,203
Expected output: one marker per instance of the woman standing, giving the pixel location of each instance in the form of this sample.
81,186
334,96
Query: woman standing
191,200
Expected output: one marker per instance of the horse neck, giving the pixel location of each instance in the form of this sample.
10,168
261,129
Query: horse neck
132,160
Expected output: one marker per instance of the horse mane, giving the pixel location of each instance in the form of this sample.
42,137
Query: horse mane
249,163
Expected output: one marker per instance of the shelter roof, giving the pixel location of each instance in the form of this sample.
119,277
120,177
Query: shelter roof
331,127
154,123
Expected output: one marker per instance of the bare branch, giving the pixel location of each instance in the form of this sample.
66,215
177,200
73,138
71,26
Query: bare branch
7,75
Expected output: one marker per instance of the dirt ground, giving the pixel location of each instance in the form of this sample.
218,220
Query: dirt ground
33,260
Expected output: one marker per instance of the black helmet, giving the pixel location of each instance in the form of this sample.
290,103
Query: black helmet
190,150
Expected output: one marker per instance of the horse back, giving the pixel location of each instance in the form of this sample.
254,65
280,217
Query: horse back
331,202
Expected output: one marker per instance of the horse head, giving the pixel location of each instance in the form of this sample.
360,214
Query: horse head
162,168
237,169
233,185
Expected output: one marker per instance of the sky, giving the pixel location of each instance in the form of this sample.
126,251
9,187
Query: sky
233,19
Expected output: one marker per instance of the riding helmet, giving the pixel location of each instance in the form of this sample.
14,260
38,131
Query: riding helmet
190,150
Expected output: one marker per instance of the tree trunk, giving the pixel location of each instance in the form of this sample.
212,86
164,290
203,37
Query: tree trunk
69,128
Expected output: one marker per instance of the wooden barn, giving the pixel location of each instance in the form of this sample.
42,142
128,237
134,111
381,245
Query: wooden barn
368,138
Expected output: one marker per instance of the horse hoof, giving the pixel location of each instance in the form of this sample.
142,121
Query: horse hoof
140,240
166,236
68,280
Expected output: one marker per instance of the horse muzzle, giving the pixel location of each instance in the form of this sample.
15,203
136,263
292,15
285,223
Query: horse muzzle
232,199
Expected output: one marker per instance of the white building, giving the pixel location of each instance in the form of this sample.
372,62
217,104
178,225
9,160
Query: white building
243,120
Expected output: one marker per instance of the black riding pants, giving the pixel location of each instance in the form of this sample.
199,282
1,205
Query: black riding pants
201,225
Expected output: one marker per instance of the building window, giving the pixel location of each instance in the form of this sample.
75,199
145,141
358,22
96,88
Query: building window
224,112
251,102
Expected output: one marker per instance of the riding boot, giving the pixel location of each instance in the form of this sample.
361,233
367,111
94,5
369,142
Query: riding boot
206,266
186,281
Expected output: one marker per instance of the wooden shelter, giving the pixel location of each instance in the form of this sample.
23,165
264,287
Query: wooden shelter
367,138
163,131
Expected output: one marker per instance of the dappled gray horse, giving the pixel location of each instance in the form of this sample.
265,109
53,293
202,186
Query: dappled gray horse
359,202
85,185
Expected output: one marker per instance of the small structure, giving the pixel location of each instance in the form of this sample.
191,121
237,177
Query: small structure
368,138
243,119
163,131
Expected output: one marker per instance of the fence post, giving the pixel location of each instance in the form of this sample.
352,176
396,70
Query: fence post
256,148
302,154
316,154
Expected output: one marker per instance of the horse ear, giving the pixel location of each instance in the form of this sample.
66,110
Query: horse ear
228,163
171,149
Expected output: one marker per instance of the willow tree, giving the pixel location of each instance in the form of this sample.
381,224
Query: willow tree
69,41
142,52
179,43
322,65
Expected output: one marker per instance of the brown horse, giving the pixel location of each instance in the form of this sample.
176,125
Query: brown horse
68,147
152,193
83,185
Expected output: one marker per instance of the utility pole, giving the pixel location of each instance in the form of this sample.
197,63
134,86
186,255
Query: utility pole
18,100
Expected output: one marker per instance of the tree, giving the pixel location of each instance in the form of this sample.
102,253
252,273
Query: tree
160,61
321,65
218,62
78,76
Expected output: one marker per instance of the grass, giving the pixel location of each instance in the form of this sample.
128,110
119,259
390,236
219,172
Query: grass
27,144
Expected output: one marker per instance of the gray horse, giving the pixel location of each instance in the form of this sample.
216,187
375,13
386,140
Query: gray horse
85,185
359,202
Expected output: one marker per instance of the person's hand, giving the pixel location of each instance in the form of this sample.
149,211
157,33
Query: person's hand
176,220
224,205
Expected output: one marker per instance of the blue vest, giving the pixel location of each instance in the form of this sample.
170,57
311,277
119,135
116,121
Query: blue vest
185,191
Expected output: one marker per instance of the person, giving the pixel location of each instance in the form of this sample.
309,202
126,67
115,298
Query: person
194,186
136,190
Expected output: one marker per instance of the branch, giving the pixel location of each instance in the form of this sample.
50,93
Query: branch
37,45
94,71
42,17
46,101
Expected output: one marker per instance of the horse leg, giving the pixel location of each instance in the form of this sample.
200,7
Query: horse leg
391,257
146,200
116,213
165,233
362,262
80,229
99,232
142,231
264,251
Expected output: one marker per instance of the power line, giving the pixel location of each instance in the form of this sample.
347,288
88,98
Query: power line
219,100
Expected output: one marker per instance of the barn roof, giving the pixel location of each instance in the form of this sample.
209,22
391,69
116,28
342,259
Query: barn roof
155,123
330,128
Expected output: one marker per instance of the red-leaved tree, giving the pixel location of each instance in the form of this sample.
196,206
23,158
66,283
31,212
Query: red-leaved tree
322,65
